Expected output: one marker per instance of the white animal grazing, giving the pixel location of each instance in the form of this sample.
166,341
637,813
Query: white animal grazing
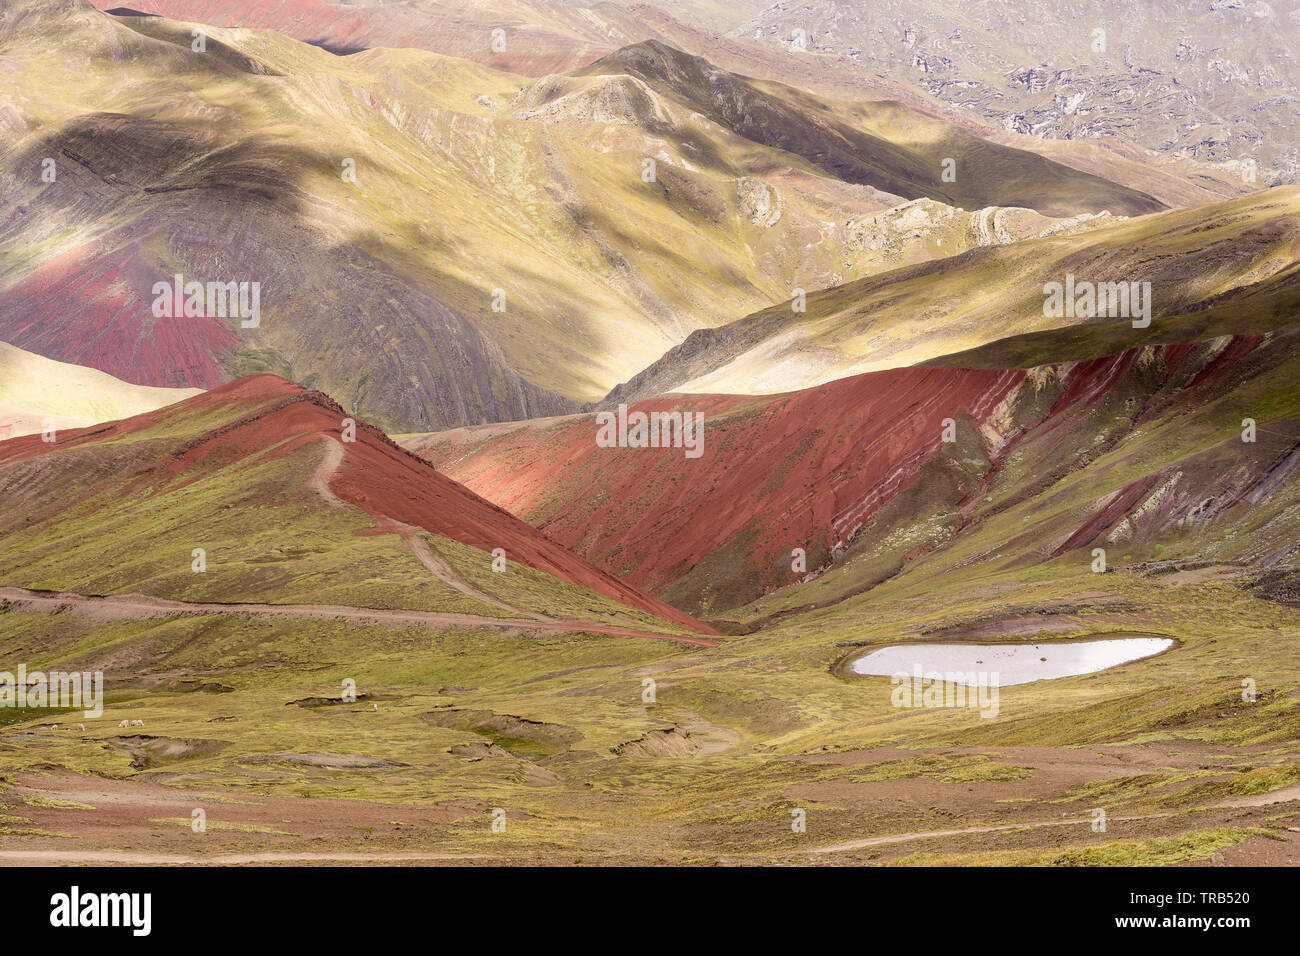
124,723
376,706
137,723
54,726
81,726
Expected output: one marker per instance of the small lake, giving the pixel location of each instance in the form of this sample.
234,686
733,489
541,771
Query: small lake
1013,663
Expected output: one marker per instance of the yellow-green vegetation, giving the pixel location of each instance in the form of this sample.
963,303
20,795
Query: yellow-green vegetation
960,770
264,541
986,307
222,825
466,720
491,731
39,801
453,209
622,749
266,532
1169,851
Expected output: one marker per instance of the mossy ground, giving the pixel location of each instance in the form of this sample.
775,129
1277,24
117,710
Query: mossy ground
1165,746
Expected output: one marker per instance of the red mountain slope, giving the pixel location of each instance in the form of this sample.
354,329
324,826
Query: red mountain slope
861,463
102,323
802,470
266,417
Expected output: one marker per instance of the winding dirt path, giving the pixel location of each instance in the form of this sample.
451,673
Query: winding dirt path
137,607
1260,800
140,607
427,554
442,569
320,478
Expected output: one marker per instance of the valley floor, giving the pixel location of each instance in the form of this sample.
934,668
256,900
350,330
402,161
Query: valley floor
459,726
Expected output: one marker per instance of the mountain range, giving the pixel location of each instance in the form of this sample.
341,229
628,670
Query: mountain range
515,432
492,220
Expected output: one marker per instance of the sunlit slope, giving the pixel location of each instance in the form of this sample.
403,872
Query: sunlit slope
456,209
504,251
1194,259
538,40
165,155
34,388
534,39
259,476
884,145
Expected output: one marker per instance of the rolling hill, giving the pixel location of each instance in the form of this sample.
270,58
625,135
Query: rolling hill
504,251
1235,259
33,389
888,146
1199,94
260,476
525,633
1140,450
535,39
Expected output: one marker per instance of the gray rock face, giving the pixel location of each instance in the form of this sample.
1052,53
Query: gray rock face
1214,80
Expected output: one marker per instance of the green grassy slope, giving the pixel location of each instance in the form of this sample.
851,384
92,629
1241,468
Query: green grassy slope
1159,744
243,474
1209,266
